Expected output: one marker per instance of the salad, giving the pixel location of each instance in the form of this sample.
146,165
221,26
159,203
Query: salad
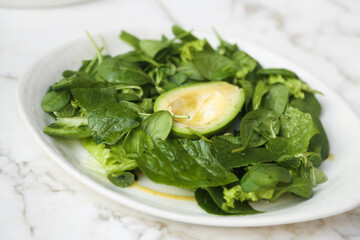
190,115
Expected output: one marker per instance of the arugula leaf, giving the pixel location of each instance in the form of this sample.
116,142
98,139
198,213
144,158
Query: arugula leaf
193,167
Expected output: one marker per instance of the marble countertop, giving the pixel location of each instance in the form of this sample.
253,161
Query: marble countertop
38,200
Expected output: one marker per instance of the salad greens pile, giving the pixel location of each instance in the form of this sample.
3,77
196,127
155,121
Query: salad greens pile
276,148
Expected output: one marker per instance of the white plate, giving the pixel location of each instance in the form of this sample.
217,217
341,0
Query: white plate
339,194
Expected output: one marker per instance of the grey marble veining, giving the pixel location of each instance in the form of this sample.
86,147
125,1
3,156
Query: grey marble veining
38,200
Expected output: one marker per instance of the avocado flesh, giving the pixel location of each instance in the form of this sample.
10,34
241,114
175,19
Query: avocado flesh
211,107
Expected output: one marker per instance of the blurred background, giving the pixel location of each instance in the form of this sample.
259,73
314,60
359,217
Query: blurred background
40,201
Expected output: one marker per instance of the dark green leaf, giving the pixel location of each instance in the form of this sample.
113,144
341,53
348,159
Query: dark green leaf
185,164
55,100
130,39
151,125
264,175
119,71
123,180
277,98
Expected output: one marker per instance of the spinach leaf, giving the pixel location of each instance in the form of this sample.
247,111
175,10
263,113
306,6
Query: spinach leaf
221,150
297,128
130,39
182,34
66,112
152,47
212,66
249,91
299,186
120,71
319,143
191,71
125,179
137,141
258,126
184,163
151,125
55,100
206,202
77,82
277,98
261,89
264,175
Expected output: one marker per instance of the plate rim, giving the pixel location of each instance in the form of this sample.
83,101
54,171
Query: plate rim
227,221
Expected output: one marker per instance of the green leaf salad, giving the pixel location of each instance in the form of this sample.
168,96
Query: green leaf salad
191,115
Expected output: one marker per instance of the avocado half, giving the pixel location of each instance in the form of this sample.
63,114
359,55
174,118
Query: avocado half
211,107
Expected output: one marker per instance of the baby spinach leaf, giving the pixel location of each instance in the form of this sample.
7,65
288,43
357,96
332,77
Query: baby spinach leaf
297,128
123,180
213,66
77,82
299,186
319,143
152,47
130,39
184,163
137,141
248,89
120,71
54,101
182,34
151,125
205,201
264,175
258,126
221,150
260,90
66,112
277,98
191,71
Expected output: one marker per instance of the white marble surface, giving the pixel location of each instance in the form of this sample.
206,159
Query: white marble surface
40,201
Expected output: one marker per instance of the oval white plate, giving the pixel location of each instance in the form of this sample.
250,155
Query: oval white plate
339,194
